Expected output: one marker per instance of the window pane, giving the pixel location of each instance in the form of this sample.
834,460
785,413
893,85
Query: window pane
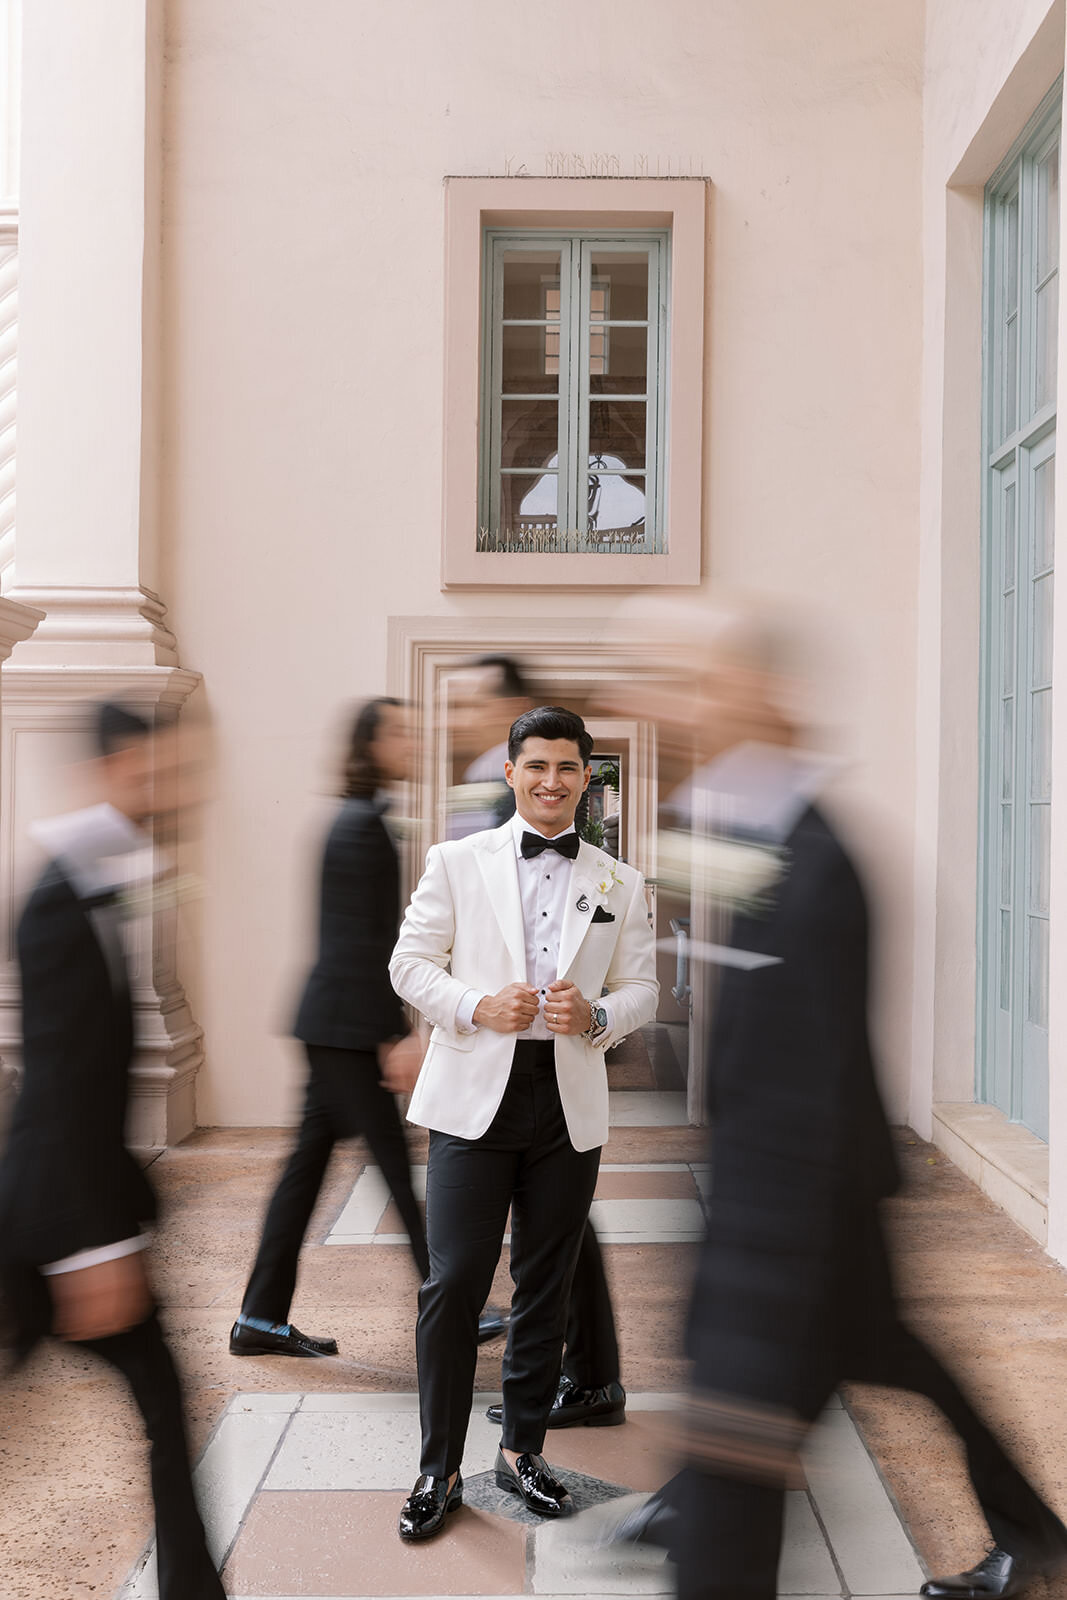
1041,747
1008,504
1044,514
529,433
1007,750
1038,975
528,505
616,508
1045,358
1005,855
1011,254
618,364
1048,215
617,434
1005,961
619,288
530,359
1039,858
1042,648
1007,635
1010,405
531,284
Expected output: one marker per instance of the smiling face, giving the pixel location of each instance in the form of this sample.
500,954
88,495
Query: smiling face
549,779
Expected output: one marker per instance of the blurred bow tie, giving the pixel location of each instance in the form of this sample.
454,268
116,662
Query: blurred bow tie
532,844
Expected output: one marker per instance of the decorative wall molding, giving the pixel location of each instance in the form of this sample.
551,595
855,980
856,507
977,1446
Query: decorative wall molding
9,318
43,733
111,628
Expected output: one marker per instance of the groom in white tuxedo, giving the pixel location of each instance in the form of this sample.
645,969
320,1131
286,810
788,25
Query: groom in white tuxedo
531,953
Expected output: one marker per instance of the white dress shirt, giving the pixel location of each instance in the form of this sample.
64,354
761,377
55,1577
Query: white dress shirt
544,881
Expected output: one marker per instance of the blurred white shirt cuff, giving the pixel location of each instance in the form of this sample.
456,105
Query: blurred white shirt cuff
94,1257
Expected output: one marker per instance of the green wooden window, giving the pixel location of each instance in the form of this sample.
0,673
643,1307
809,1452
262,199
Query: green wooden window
574,359
1021,316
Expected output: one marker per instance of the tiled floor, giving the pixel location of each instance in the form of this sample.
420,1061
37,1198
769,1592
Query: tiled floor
302,1493
650,1203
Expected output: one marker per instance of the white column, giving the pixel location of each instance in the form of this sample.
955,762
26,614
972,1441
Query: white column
86,549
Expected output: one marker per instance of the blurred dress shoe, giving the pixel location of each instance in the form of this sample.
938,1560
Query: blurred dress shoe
657,1521
530,1478
426,1507
580,1408
999,1574
279,1339
492,1324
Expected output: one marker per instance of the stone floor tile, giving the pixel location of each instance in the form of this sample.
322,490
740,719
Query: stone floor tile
350,1450
647,1221
570,1559
636,1185
635,1108
637,1454
807,1567
346,1544
871,1546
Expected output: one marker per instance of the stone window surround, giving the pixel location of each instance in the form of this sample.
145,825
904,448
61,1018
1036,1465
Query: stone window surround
472,204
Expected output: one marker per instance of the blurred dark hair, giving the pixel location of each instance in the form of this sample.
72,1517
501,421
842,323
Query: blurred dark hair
361,778
550,722
114,727
511,685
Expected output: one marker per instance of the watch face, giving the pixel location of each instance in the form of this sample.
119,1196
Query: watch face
601,1017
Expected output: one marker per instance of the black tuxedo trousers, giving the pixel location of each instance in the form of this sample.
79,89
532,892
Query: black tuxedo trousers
186,1571
731,1531
526,1162
345,1097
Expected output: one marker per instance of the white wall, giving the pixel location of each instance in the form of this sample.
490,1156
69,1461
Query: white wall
302,315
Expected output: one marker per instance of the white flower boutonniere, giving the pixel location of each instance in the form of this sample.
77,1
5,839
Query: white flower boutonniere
609,878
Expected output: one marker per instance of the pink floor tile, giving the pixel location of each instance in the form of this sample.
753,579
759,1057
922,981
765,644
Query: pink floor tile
334,1543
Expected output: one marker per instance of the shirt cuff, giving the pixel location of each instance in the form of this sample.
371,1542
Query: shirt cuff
94,1257
469,1004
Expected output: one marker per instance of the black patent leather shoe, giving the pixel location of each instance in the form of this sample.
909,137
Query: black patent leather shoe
574,1407
426,1507
284,1340
492,1324
531,1479
999,1574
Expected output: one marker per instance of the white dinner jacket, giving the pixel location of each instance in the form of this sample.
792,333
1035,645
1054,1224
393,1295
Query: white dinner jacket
464,930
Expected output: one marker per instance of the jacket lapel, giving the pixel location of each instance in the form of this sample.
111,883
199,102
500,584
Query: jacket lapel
496,862
582,899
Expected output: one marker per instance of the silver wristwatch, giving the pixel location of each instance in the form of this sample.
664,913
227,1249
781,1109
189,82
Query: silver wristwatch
598,1021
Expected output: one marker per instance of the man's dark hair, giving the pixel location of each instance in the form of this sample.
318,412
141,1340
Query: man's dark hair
361,779
511,685
550,722
114,727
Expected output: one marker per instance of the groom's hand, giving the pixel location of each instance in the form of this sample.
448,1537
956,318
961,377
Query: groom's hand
566,1008
97,1302
510,1011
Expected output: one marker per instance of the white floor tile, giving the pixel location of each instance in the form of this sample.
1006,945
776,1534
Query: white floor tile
872,1548
364,1207
331,1450
663,1220
646,1108
568,1560
806,1567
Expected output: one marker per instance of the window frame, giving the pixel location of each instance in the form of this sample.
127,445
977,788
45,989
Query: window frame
577,247
603,206
1018,435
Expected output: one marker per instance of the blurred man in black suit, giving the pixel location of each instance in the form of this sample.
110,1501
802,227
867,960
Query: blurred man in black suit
73,1200
794,1290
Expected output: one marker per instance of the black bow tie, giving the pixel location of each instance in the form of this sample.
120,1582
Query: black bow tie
533,844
